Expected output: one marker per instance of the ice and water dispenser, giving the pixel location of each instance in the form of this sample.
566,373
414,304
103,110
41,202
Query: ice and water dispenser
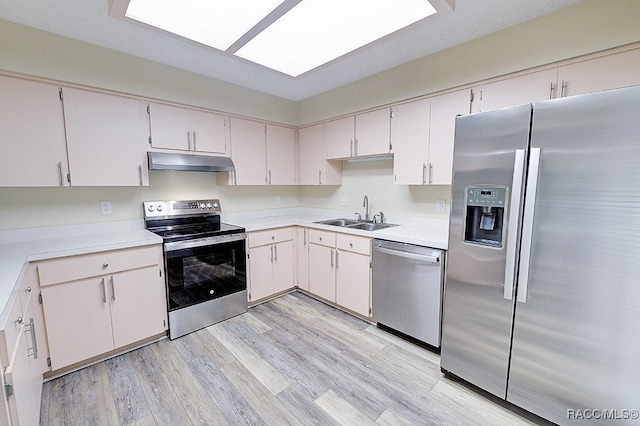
485,216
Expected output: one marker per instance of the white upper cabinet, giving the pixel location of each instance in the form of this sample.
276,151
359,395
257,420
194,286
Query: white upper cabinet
313,168
410,141
519,90
248,152
373,131
340,138
106,137
187,129
607,72
422,136
442,125
281,157
32,138
364,135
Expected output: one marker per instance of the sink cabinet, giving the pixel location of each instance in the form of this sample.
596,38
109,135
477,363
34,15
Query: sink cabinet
99,302
339,269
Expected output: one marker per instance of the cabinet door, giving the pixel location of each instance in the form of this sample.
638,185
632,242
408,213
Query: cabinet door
138,305
106,137
340,136
410,141
444,109
210,132
373,131
302,262
77,331
311,154
283,266
260,272
170,127
322,276
607,72
32,138
281,157
519,90
248,151
353,282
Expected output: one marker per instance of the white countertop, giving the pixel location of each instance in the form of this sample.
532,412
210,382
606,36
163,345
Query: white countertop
420,231
18,247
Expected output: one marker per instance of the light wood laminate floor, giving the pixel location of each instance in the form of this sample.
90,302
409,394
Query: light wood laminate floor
292,360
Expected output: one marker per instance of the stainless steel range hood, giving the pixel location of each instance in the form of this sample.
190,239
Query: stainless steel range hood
189,162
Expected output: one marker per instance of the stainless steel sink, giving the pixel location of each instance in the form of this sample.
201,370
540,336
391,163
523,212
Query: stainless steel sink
339,222
367,226
355,224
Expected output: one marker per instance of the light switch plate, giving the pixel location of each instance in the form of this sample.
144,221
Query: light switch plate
105,208
277,199
344,200
441,206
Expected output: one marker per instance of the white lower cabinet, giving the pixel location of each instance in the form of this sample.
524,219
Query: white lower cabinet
270,262
339,269
23,355
99,302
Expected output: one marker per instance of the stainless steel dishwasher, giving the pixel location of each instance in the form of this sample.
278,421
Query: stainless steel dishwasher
407,283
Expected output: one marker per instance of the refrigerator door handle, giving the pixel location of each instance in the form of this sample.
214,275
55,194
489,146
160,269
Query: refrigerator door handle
527,225
514,214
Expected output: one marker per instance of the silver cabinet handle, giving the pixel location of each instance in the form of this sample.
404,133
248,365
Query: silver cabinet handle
188,140
194,141
551,90
140,174
19,320
356,144
271,248
304,238
514,214
331,259
33,350
337,255
319,177
562,88
113,289
430,173
104,291
527,224
60,173
105,265
269,176
275,250
424,173
351,148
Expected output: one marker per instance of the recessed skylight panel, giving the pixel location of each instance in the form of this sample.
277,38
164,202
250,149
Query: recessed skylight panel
212,22
317,31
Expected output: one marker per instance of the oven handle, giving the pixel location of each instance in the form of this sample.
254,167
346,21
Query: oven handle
202,242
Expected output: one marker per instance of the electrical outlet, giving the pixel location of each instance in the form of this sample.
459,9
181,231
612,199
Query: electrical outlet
277,199
105,208
344,200
441,206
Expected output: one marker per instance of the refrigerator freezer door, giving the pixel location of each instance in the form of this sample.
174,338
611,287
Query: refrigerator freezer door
576,339
477,317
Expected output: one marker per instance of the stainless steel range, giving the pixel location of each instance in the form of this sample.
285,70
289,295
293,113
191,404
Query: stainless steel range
204,262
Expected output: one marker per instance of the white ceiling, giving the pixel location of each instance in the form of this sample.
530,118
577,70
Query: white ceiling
89,21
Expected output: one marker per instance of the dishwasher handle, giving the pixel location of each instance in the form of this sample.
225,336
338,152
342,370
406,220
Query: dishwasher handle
435,258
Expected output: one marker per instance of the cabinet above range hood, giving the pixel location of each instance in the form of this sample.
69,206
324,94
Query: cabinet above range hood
189,162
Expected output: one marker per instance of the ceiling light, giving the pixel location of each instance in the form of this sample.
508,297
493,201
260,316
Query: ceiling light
315,32
214,23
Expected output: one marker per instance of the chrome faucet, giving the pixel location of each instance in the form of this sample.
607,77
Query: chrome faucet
365,204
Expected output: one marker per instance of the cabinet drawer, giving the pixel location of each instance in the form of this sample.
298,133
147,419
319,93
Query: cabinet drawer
323,238
355,244
90,265
270,236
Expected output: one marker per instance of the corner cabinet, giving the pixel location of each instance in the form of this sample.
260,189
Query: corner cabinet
185,129
33,135
23,354
313,167
96,303
106,136
270,262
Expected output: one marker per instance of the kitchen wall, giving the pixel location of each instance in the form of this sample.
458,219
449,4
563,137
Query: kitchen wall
590,26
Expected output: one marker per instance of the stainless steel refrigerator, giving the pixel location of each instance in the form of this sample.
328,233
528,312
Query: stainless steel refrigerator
542,288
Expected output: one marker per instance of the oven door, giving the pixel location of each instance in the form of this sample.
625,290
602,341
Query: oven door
203,270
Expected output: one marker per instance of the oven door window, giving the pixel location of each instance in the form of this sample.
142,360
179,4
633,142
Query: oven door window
195,275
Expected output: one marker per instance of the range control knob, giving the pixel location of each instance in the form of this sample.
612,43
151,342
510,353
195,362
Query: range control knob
209,205
216,205
202,205
160,208
151,208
